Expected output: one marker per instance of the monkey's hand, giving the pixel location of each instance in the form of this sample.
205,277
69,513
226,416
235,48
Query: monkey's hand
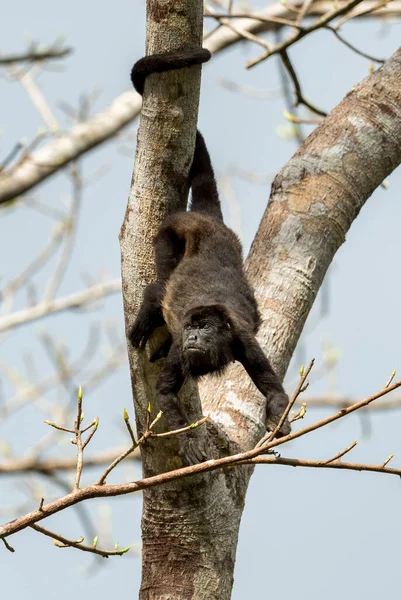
139,334
191,449
276,405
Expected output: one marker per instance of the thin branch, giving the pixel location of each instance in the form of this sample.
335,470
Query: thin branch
11,155
69,238
66,543
304,11
35,55
300,99
300,33
342,453
361,11
7,545
37,263
78,441
241,32
343,402
353,48
298,390
43,309
31,464
37,97
268,20
249,457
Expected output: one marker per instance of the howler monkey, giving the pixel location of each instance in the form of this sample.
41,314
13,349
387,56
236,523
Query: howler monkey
201,291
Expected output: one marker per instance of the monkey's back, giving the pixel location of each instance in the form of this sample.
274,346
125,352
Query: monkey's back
210,270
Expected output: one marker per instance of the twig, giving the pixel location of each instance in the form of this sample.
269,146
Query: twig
66,543
352,47
299,120
268,20
182,430
241,32
249,457
390,378
298,390
128,425
69,238
361,11
300,33
387,460
39,101
78,440
11,155
304,11
135,444
300,99
59,427
342,453
7,545
38,262
34,55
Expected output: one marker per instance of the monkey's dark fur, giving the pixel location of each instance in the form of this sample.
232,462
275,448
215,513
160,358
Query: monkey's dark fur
201,291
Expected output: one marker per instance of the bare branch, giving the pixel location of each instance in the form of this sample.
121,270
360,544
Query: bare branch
35,55
103,126
77,300
59,152
66,543
333,13
101,490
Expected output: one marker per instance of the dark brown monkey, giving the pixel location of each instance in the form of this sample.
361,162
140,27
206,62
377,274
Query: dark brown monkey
201,292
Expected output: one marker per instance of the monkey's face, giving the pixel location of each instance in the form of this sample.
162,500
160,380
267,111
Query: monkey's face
206,341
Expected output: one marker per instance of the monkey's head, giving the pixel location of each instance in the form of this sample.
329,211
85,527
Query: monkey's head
207,340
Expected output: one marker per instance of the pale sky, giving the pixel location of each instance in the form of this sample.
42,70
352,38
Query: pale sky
305,534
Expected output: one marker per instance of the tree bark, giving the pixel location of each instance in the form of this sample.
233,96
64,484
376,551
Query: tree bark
190,527
189,536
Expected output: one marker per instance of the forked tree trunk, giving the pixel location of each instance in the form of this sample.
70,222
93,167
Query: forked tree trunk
190,527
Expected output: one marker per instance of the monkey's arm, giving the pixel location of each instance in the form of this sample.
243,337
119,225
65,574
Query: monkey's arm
170,381
248,352
149,317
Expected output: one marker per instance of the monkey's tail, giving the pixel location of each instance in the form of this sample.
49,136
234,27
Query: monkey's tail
170,61
205,197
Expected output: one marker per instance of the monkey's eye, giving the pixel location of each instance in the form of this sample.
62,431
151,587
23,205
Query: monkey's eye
187,327
206,326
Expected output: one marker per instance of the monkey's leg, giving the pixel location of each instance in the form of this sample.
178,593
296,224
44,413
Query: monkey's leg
169,248
248,352
168,385
163,351
149,317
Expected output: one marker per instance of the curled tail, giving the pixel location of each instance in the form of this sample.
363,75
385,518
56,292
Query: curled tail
170,61
205,197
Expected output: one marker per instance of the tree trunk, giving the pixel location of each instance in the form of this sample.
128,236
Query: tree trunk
190,527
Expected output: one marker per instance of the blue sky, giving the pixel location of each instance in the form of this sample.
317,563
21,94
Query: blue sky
304,534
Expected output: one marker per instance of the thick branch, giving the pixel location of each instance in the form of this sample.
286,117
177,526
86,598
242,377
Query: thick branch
314,200
55,155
